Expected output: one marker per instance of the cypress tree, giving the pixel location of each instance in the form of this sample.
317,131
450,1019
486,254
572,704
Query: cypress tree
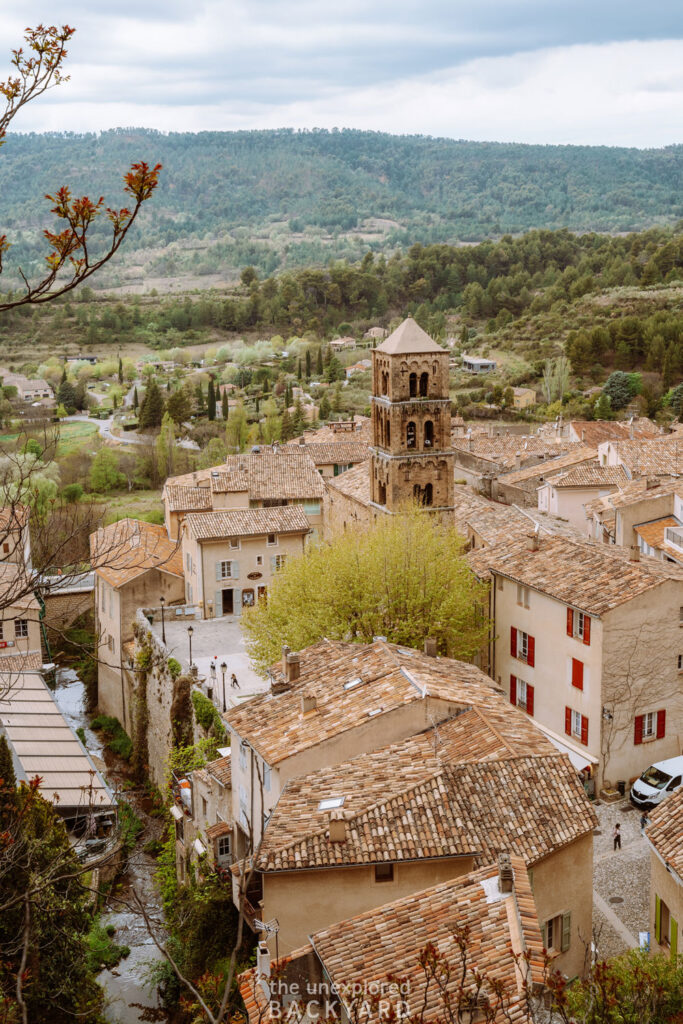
224,405
308,364
120,371
211,401
299,370
319,362
136,400
199,395
152,408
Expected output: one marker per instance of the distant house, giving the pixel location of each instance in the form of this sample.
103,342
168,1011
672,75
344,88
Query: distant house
82,359
375,334
473,364
342,344
523,398
360,367
28,390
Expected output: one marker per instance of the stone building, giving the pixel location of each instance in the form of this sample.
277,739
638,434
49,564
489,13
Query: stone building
411,420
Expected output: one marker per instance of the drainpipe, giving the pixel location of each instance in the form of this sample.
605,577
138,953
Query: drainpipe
43,630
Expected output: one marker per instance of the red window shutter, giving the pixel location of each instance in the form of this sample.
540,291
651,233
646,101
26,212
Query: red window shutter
661,724
529,699
568,721
513,689
570,622
513,641
577,674
587,630
531,651
584,730
638,729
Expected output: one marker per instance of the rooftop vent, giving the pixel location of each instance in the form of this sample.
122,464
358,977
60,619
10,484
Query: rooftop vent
292,667
337,826
330,803
430,647
309,701
505,875
353,683
634,553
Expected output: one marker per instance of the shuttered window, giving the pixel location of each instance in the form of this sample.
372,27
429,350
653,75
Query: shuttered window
650,726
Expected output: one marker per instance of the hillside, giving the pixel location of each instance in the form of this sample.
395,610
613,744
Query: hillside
286,199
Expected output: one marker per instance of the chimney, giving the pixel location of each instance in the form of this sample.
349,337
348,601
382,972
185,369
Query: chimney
583,435
430,647
337,826
634,553
309,702
292,668
506,881
470,443
263,967
518,460
302,440
532,541
650,482
285,652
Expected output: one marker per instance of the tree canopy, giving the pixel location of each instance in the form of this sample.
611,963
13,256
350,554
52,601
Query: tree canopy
404,578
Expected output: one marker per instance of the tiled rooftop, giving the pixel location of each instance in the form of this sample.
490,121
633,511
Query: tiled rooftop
340,452
592,475
247,522
354,483
16,589
124,550
654,533
661,456
390,677
502,450
665,831
592,577
270,473
386,943
478,784
594,432
184,498
549,467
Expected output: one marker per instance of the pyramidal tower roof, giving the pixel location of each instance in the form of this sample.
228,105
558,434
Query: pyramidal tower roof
408,338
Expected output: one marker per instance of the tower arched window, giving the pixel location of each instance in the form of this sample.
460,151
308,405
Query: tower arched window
424,383
382,494
385,383
429,434
387,424
412,384
411,435
428,495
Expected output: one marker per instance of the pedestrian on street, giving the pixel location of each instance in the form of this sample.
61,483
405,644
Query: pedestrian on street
233,681
616,836
643,823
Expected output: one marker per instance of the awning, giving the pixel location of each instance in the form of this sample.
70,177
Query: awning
176,812
580,759
200,849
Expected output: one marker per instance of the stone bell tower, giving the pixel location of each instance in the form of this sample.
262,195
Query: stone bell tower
411,422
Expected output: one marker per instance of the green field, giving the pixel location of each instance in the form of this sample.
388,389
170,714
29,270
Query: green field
72,436
136,504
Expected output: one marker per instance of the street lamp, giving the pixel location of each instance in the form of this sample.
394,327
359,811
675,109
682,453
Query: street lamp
190,631
223,671
162,602
212,674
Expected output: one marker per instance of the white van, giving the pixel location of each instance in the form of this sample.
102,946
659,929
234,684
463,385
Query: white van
657,782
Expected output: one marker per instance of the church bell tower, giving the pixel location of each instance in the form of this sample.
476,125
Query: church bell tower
412,458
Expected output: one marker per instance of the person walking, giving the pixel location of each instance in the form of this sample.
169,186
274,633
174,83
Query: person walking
233,681
643,823
616,836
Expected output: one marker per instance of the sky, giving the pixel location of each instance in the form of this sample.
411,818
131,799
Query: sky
596,72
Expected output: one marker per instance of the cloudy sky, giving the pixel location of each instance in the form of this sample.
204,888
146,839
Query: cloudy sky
588,71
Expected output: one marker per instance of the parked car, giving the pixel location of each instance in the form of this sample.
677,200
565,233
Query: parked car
657,782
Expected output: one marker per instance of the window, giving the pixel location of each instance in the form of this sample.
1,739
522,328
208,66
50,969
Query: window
224,848
384,872
234,542
110,643
312,507
666,926
680,662
680,614
20,628
650,726
522,695
522,646
576,724
5,548
272,539
259,559
2,632
579,626
203,807
279,561
522,596
412,385
557,933
411,435
226,570
329,803
429,434
577,673
424,384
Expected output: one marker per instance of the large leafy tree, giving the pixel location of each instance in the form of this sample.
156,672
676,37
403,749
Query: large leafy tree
38,67
405,578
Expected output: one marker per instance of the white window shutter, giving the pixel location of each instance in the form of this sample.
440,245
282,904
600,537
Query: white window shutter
235,568
218,571
218,606
237,601
273,563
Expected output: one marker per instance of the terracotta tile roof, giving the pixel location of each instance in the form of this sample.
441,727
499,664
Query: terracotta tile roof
549,467
221,828
408,338
592,475
220,770
665,831
339,452
338,431
183,498
438,794
390,677
636,490
491,521
271,473
247,522
354,483
32,660
592,577
386,943
654,533
16,589
124,550
502,450
13,517
661,456
594,432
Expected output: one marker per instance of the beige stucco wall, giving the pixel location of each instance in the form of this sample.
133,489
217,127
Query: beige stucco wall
306,901
19,645
568,502
670,890
345,513
642,512
564,882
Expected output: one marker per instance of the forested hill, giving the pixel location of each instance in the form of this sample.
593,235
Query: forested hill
288,198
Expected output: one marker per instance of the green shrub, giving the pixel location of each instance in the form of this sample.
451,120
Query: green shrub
102,952
130,826
174,667
80,732
118,740
72,493
207,715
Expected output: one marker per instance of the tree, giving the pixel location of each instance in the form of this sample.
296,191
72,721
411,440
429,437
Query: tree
237,429
120,371
211,401
602,410
136,399
677,399
214,454
179,406
66,396
37,69
404,578
319,362
152,408
166,449
335,370
225,407
286,427
308,364
299,418
104,472
619,389
324,408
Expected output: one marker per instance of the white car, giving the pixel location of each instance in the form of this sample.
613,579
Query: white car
657,782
